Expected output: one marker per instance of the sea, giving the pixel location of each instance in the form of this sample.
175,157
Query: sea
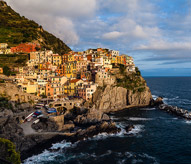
158,137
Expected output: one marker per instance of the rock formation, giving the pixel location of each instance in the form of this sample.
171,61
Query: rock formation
115,98
13,93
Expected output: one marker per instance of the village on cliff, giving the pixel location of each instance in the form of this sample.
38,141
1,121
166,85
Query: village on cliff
64,80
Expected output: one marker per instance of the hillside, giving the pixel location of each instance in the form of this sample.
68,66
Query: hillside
13,60
15,29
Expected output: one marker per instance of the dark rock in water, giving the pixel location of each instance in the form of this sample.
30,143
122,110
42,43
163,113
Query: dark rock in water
129,128
105,117
156,102
108,127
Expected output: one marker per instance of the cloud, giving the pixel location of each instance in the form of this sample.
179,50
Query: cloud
66,8
58,16
112,35
164,45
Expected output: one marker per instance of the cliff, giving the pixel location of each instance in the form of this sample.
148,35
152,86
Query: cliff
15,29
129,90
116,98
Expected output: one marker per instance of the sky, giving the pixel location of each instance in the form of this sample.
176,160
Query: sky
156,33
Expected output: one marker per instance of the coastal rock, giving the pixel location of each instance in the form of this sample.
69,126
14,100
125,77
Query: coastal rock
68,127
81,120
45,126
6,113
139,98
157,102
175,110
108,127
115,98
93,116
129,128
10,130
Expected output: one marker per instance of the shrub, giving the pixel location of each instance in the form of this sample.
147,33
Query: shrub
6,71
141,89
8,151
138,73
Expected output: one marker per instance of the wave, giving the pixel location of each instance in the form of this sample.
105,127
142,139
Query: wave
154,97
50,155
187,121
148,109
43,157
61,145
123,133
139,119
130,157
137,129
118,157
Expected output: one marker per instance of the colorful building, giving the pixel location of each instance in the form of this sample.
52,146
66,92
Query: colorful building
56,59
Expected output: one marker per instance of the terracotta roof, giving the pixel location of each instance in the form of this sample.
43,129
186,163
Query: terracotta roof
45,69
74,80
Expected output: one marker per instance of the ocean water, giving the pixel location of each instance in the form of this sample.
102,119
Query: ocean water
157,138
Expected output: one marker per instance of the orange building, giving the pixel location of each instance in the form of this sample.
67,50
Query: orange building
78,57
49,90
65,58
99,49
60,72
89,57
1,70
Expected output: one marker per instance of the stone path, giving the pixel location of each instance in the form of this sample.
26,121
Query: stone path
27,129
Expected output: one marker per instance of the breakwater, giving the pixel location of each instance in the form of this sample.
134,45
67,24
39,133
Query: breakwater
175,111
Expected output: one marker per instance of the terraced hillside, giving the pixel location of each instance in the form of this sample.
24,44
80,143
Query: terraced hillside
13,60
15,29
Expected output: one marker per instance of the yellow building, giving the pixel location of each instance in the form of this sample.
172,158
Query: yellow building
114,60
8,51
58,80
30,87
20,69
70,70
118,59
3,45
56,59
70,57
72,87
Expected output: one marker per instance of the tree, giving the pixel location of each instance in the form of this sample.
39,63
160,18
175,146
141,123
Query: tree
8,152
138,73
6,71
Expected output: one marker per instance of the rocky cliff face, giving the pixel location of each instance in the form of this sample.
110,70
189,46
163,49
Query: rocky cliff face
115,98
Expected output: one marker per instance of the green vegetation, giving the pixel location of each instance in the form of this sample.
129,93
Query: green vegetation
15,29
138,73
133,81
8,152
6,71
4,102
13,60
121,68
